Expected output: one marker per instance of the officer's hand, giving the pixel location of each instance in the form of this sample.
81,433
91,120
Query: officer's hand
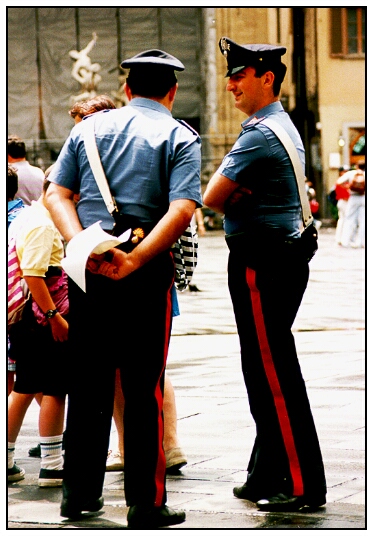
114,264
94,262
236,196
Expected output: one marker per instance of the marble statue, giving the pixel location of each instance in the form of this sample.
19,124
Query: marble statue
85,72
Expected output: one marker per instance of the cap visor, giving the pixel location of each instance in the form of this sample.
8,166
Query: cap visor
235,70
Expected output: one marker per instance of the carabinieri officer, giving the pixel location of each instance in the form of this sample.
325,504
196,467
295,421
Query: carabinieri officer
255,187
152,164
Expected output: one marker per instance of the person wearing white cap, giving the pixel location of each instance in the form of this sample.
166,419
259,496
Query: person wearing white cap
256,188
152,164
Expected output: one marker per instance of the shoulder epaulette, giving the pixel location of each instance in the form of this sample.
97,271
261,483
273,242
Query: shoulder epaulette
187,126
253,122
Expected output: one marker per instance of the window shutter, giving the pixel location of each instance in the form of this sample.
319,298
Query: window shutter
336,30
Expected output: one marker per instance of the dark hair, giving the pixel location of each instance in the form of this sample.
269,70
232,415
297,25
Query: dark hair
151,81
278,69
16,147
96,104
12,182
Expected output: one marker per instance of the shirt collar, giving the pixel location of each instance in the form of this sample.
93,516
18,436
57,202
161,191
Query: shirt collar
141,102
270,108
21,163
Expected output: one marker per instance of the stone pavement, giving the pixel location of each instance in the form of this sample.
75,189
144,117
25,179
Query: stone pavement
214,423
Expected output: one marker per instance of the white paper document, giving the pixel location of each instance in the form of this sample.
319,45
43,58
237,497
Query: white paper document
92,240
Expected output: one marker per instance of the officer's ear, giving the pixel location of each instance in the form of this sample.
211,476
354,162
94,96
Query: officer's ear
268,79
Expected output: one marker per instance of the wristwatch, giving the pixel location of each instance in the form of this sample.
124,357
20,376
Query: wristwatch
51,313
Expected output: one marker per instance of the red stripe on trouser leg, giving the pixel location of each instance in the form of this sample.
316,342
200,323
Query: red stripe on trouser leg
161,463
278,398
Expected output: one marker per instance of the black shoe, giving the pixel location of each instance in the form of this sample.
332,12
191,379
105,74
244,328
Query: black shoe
140,517
16,473
244,492
74,511
50,478
288,503
35,452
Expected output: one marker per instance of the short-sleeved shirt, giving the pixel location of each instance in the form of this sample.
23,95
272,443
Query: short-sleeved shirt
30,181
149,159
259,162
38,241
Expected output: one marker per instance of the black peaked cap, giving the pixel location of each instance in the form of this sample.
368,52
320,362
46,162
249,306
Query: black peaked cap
253,55
153,57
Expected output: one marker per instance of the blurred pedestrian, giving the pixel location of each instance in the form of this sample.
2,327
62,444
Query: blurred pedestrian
256,188
86,107
342,193
353,231
198,217
30,178
175,456
152,164
314,204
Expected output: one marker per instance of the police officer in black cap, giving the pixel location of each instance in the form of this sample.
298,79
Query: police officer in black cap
256,188
152,164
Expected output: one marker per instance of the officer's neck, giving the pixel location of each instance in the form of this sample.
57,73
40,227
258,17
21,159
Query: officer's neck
12,160
167,100
249,111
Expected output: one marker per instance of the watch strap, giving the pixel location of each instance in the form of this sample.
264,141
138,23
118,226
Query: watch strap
51,313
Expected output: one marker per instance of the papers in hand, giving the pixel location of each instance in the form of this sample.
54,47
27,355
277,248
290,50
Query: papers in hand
92,240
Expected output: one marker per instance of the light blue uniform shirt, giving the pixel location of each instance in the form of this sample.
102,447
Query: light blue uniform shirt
259,162
149,159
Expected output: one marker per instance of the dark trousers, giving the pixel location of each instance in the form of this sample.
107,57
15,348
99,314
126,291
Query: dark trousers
266,288
125,324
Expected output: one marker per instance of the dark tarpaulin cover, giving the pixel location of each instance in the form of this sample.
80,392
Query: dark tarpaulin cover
122,32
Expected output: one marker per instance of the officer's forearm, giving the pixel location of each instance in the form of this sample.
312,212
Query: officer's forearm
61,206
165,233
218,191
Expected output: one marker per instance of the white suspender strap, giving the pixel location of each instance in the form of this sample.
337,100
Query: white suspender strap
286,141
